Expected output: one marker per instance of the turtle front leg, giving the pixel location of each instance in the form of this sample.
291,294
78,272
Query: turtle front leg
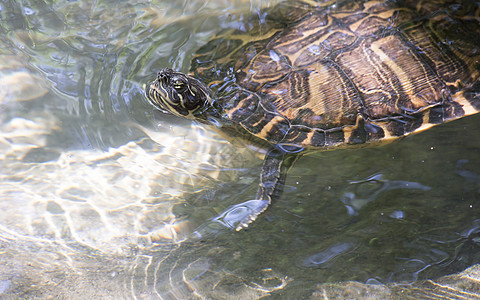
272,179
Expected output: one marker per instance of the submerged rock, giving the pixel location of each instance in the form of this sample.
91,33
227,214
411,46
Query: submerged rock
464,285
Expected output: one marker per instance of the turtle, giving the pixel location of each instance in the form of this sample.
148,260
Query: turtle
304,76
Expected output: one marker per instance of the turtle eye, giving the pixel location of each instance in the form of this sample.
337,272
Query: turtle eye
179,86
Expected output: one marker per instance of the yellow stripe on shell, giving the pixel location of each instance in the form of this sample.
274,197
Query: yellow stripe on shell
269,126
403,77
466,106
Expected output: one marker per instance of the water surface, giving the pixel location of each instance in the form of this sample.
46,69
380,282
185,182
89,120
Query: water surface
99,193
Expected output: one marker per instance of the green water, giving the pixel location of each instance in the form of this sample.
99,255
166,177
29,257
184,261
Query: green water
96,206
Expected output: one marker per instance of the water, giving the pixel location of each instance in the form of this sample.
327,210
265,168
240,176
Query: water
99,193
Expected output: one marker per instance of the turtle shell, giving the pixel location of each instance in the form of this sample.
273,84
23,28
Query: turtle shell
351,73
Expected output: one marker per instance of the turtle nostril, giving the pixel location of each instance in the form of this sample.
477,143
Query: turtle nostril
164,75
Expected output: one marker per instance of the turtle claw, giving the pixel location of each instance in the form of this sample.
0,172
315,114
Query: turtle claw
240,215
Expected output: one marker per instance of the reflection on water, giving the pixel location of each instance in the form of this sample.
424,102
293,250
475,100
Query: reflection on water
320,259
99,193
471,177
366,191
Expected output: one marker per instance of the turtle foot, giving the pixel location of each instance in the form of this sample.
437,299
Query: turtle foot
240,215
235,217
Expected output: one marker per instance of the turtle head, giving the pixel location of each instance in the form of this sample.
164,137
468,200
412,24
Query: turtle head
179,94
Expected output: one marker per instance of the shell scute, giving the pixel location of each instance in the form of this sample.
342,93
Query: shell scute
317,97
334,138
241,105
274,66
338,38
267,125
393,80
